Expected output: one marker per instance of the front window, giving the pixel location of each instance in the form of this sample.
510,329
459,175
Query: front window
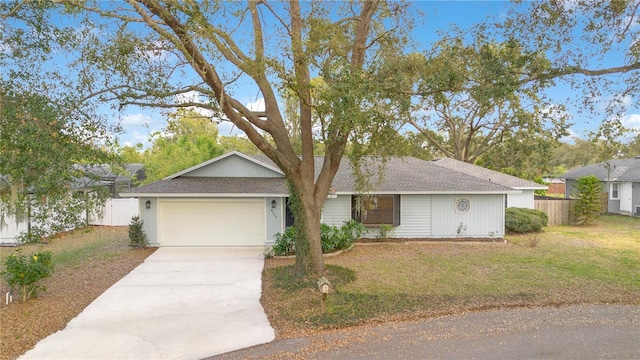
376,210
614,191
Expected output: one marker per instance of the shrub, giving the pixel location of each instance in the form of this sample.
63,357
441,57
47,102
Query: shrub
521,220
384,231
331,237
544,218
31,237
587,207
25,272
351,231
285,242
137,236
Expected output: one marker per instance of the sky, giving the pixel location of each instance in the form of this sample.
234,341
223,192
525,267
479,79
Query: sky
139,123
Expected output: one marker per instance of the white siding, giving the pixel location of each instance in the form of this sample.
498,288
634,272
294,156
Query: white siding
275,218
415,217
149,218
233,166
522,200
485,218
336,211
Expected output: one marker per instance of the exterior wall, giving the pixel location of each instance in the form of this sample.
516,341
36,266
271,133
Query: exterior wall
274,219
522,200
485,218
424,216
150,218
636,199
415,217
613,205
233,166
625,194
569,188
336,211
556,187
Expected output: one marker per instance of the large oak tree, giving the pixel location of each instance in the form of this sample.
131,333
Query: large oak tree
147,52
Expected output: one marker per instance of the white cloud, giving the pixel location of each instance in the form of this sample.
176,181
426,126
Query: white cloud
137,138
136,120
631,121
617,101
257,105
194,97
570,139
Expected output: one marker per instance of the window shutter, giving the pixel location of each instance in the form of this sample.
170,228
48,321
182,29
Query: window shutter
396,210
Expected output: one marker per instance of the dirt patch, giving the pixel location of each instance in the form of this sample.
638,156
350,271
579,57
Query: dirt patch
103,258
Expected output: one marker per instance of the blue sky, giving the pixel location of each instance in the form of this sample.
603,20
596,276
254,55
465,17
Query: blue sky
138,123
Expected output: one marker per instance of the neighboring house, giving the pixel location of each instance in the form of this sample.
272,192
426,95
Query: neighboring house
620,179
556,186
523,199
116,212
237,199
131,176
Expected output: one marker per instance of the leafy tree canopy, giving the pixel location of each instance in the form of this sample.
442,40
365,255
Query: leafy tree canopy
187,140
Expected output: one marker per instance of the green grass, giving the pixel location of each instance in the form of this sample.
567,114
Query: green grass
565,265
76,247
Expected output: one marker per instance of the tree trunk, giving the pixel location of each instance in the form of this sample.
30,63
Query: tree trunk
307,211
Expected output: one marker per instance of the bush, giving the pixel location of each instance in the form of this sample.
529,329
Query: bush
351,231
587,207
25,272
331,237
137,236
384,231
33,236
521,220
285,242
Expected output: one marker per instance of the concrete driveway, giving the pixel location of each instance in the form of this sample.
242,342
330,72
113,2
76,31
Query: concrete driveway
186,303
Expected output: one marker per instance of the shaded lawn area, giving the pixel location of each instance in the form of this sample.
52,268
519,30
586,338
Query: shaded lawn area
391,281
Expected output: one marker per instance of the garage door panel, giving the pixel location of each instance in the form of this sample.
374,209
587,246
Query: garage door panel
212,223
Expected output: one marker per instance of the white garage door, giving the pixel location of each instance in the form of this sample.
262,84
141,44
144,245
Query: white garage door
232,222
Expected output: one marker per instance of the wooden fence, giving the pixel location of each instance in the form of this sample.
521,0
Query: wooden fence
559,210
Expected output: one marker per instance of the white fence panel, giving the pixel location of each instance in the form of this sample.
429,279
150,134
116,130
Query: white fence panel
10,227
117,212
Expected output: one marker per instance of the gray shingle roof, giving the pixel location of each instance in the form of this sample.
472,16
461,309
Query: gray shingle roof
401,175
214,185
620,170
487,174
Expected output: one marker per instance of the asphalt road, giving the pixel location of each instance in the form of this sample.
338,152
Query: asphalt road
572,332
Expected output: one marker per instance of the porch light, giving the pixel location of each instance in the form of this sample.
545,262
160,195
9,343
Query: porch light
273,204
148,204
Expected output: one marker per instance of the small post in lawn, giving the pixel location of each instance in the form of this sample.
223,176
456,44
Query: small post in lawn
324,286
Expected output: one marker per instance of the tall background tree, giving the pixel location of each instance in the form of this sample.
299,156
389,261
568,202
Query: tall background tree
187,140
469,99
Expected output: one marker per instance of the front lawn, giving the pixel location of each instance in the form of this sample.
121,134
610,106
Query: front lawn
87,262
391,281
